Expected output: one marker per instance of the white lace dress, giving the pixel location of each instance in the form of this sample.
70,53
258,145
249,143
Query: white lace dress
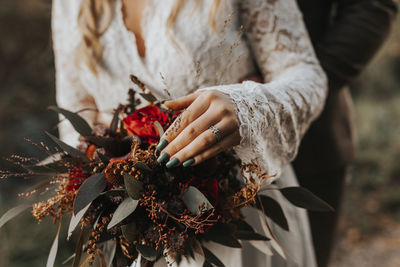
273,115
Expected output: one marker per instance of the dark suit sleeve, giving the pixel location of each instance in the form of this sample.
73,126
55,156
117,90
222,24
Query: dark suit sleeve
358,30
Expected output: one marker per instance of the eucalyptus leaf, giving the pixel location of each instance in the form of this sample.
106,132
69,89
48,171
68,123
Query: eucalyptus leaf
262,246
114,192
40,185
75,220
211,258
114,122
303,198
68,259
149,97
99,141
122,130
79,249
246,235
193,199
89,191
267,231
103,158
54,167
12,213
97,220
73,152
53,251
79,124
142,166
147,252
223,235
242,225
126,208
130,231
197,248
159,128
109,250
133,186
272,210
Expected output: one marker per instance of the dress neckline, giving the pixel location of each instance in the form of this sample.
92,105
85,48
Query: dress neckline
131,35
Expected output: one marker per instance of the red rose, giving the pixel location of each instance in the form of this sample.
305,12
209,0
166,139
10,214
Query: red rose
141,123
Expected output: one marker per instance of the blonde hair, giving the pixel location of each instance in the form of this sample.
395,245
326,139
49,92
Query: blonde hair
95,17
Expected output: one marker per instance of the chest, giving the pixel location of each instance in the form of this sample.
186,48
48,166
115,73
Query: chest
178,60
132,11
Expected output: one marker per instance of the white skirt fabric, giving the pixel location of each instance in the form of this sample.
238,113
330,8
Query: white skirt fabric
297,243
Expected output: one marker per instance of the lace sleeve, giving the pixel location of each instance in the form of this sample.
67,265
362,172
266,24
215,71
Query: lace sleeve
274,116
70,92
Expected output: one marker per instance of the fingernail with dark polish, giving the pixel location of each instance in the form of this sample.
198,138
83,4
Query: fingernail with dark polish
163,157
172,163
163,143
188,162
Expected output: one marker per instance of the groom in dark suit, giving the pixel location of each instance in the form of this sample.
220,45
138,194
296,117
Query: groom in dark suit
346,34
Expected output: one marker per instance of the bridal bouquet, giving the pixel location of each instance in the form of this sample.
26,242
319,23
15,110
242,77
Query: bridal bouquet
127,207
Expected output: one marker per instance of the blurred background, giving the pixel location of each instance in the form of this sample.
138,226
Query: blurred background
369,233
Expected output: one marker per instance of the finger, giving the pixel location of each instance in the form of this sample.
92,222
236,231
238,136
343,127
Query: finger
192,131
181,102
195,110
227,143
203,142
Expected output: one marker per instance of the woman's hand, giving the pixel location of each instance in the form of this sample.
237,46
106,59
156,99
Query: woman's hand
192,137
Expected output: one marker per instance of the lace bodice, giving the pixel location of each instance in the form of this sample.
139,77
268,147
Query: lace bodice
273,115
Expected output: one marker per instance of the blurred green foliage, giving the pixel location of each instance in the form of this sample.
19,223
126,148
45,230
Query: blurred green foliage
372,201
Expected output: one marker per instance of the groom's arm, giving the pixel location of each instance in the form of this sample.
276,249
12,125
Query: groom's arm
358,30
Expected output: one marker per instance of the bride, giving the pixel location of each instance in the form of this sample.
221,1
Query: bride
198,55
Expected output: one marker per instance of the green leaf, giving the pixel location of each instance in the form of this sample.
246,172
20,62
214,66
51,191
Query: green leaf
303,198
246,235
109,250
221,234
241,225
68,259
97,220
126,208
114,122
159,128
114,192
53,251
272,210
68,149
211,258
122,130
54,167
99,141
130,231
103,158
147,252
89,191
148,97
79,248
79,124
193,199
75,220
133,186
12,213
142,166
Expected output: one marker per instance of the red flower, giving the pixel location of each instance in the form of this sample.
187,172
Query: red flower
76,178
141,123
